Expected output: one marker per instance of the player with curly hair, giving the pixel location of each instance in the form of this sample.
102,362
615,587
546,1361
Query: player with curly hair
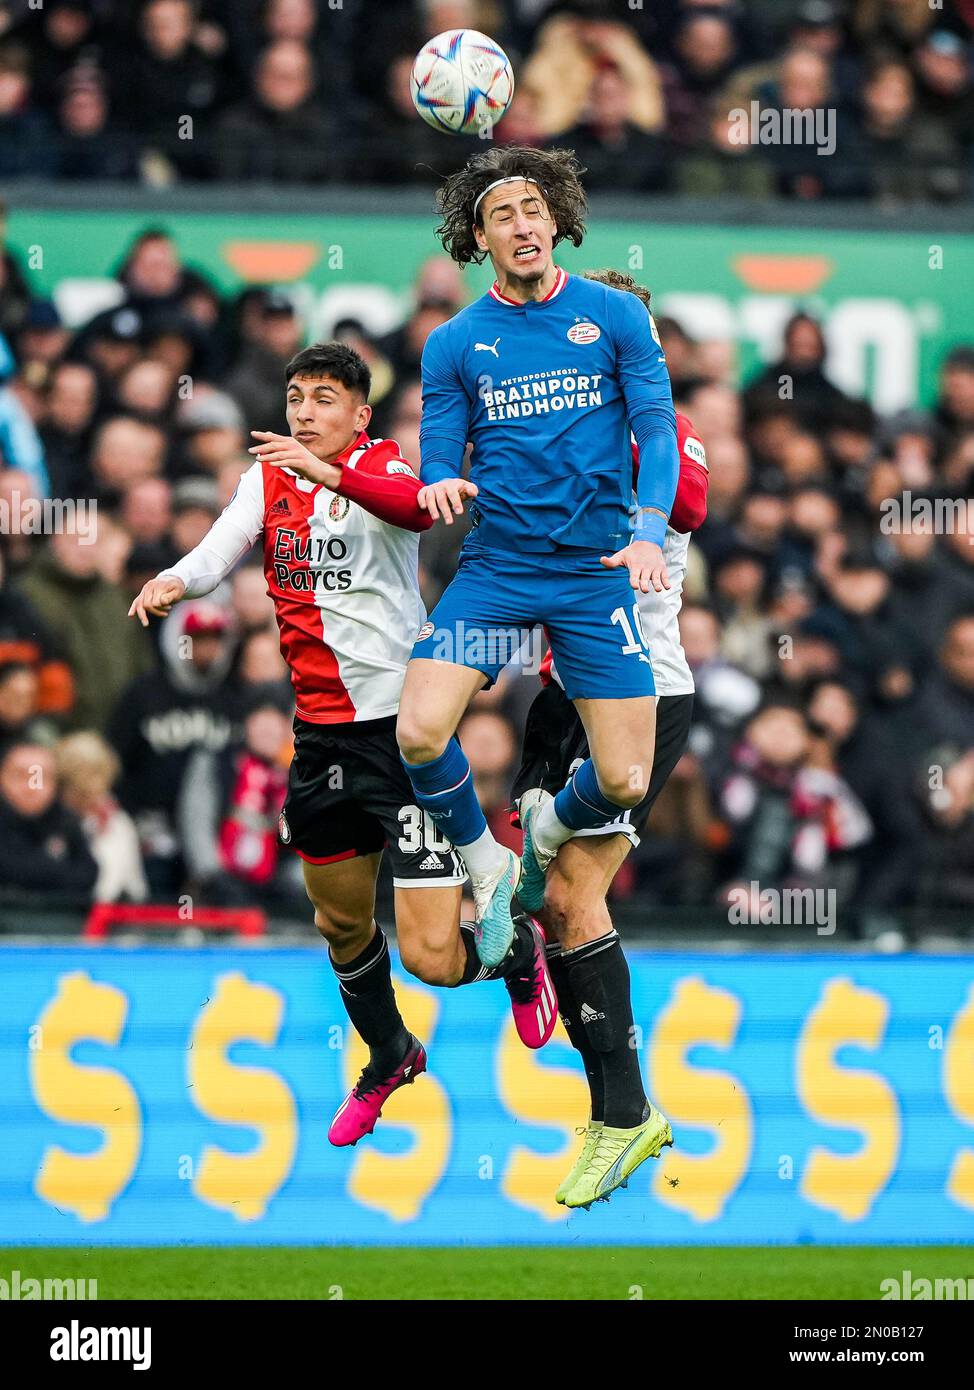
544,375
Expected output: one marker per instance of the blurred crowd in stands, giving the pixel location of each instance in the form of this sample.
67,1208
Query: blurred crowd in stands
831,640
312,92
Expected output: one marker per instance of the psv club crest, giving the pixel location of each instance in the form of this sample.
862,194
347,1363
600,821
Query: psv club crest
338,508
583,333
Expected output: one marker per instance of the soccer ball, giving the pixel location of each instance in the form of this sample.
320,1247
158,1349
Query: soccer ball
461,82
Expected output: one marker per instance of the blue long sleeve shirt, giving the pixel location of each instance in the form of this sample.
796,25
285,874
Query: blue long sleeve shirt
547,392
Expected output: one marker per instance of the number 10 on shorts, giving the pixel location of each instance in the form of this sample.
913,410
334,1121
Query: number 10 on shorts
635,643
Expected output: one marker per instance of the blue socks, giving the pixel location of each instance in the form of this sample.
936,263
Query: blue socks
445,789
580,805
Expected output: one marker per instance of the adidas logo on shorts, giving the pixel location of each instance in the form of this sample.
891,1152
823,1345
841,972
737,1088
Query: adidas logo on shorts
589,1015
431,862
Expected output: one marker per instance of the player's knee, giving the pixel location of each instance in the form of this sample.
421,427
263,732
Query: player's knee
557,903
341,929
433,967
418,741
624,787
573,910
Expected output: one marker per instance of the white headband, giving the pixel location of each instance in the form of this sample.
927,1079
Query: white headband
509,178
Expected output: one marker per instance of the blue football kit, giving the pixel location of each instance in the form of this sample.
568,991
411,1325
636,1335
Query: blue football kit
547,393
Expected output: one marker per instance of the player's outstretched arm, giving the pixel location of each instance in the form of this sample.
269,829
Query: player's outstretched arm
227,541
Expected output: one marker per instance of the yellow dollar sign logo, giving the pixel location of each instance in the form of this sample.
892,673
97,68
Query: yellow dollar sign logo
554,1097
399,1184
86,1184
700,1184
847,1099
230,1094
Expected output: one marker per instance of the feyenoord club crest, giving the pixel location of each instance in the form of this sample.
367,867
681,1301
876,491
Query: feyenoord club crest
283,829
338,508
425,631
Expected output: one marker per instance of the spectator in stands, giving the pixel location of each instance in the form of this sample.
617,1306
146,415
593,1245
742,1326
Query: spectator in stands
805,83
945,790
88,145
955,408
799,376
705,51
87,770
26,144
790,820
168,86
570,50
281,133
86,617
945,88
229,806
70,32
40,342
256,378
212,432
20,717
616,154
945,711
162,718
125,450
901,154
865,756
42,846
66,427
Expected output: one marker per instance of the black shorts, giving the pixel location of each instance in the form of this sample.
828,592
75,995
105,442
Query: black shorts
348,795
555,744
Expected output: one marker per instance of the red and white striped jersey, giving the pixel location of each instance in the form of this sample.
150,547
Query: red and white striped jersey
344,582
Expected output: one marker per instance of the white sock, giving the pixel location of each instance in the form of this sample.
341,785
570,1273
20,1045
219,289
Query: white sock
483,856
547,831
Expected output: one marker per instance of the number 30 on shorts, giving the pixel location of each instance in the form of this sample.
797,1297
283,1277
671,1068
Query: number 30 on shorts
633,631
419,832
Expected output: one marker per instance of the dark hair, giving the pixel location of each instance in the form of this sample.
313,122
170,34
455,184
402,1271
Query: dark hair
556,172
616,280
336,360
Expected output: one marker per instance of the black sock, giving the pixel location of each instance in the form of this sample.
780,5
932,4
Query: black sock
520,953
367,993
599,980
577,1036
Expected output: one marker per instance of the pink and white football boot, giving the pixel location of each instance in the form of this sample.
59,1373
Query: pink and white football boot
534,1003
358,1112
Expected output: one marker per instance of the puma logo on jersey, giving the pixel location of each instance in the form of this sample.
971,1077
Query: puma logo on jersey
488,347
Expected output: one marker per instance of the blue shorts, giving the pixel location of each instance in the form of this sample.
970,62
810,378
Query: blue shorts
590,613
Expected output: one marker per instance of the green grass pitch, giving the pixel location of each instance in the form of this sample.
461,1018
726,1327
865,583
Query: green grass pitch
504,1273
